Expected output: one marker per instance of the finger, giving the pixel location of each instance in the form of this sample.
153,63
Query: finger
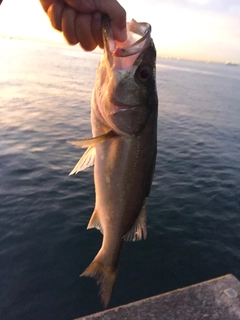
54,13
46,3
112,8
68,25
117,16
96,28
83,31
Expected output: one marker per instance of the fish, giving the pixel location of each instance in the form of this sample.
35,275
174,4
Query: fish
123,147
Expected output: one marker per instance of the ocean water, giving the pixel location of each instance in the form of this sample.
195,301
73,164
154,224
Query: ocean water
193,209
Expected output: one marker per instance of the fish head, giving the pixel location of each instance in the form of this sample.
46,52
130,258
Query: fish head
128,94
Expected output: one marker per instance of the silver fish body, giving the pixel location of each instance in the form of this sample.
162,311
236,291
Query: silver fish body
123,148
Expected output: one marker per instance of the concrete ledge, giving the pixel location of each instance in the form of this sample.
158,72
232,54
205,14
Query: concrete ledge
217,299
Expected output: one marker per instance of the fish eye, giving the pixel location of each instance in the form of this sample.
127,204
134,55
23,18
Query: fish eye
144,73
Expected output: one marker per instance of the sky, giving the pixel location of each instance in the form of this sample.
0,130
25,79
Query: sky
207,30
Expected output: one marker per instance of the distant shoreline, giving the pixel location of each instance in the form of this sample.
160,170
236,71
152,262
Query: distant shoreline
63,43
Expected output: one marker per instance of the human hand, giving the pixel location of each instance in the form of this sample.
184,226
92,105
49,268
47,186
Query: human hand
80,20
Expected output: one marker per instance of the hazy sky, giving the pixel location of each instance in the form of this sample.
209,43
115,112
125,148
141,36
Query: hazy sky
195,29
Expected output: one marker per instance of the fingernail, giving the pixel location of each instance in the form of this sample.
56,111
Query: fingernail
122,35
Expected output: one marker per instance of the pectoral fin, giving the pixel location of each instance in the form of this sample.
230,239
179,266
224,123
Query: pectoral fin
93,141
87,160
139,229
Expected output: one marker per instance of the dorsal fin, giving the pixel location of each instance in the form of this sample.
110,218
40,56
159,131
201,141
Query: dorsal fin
139,229
87,160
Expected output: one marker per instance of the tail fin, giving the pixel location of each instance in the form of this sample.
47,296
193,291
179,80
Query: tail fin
105,277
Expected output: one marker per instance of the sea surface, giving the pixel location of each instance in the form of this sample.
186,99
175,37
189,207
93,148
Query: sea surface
193,209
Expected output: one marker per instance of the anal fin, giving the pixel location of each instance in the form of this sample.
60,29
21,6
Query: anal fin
94,222
139,229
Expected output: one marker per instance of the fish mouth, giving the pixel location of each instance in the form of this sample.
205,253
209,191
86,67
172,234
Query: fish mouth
116,108
138,38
